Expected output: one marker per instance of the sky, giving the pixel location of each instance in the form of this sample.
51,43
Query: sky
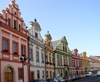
77,20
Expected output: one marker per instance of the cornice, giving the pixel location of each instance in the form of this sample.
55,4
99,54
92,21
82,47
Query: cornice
37,43
63,53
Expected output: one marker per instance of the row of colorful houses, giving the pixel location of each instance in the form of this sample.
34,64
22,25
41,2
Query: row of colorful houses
46,58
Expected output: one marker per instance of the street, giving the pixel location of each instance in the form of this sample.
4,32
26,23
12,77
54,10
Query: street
88,79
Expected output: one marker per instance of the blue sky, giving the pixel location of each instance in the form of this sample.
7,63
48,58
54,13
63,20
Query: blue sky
78,20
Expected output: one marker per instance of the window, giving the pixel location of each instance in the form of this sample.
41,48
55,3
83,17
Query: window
37,56
42,74
32,75
76,63
57,61
20,70
53,74
19,28
60,61
42,57
47,74
5,45
61,73
63,47
79,63
30,53
49,43
58,73
23,50
15,24
38,75
15,48
50,59
64,61
15,13
36,35
46,59
9,21
50,74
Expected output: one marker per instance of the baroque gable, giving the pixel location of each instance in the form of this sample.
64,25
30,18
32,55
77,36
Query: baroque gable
61,46
48,39
84,56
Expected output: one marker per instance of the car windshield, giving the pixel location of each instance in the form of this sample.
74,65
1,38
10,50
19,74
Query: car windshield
65,77
87,72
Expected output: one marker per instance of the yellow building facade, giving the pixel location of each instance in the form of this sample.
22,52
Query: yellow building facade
85,63
49,56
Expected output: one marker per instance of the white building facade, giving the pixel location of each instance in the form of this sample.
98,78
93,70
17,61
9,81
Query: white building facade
36,52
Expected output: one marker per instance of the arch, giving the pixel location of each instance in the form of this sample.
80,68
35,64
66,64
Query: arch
9,68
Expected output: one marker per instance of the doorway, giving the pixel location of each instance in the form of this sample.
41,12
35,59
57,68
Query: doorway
9,75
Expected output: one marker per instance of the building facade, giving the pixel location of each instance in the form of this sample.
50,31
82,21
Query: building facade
49,56
95,57
36,52
76,62
90,65
63,58
85,63
95,64
13,44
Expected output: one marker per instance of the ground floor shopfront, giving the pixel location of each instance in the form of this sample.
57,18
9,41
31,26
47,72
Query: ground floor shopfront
62,72
13,72
37,72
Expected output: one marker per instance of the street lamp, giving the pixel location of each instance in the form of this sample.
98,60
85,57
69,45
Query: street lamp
23,58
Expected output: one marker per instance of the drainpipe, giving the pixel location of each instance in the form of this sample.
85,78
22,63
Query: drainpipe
54,63
29,57
45,61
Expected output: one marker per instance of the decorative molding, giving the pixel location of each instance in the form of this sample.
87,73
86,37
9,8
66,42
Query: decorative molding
15,38
4,33
23,41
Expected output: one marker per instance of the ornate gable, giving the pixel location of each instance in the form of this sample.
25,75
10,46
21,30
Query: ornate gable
63,40
84,56
48,39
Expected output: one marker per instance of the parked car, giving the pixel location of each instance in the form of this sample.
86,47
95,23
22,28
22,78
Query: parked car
38,81
80,76
98,73
83,76
95,74
88,74
76,76
67,79
60,79
52,80
72,77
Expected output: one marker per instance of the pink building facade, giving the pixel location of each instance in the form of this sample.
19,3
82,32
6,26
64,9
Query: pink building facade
76,60
13,44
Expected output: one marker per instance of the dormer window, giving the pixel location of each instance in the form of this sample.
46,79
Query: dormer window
9,21
15,13
49,43
63,47
36,35
15,24
19,28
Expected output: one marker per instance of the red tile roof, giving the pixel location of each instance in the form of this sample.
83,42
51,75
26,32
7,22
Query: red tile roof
94,60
